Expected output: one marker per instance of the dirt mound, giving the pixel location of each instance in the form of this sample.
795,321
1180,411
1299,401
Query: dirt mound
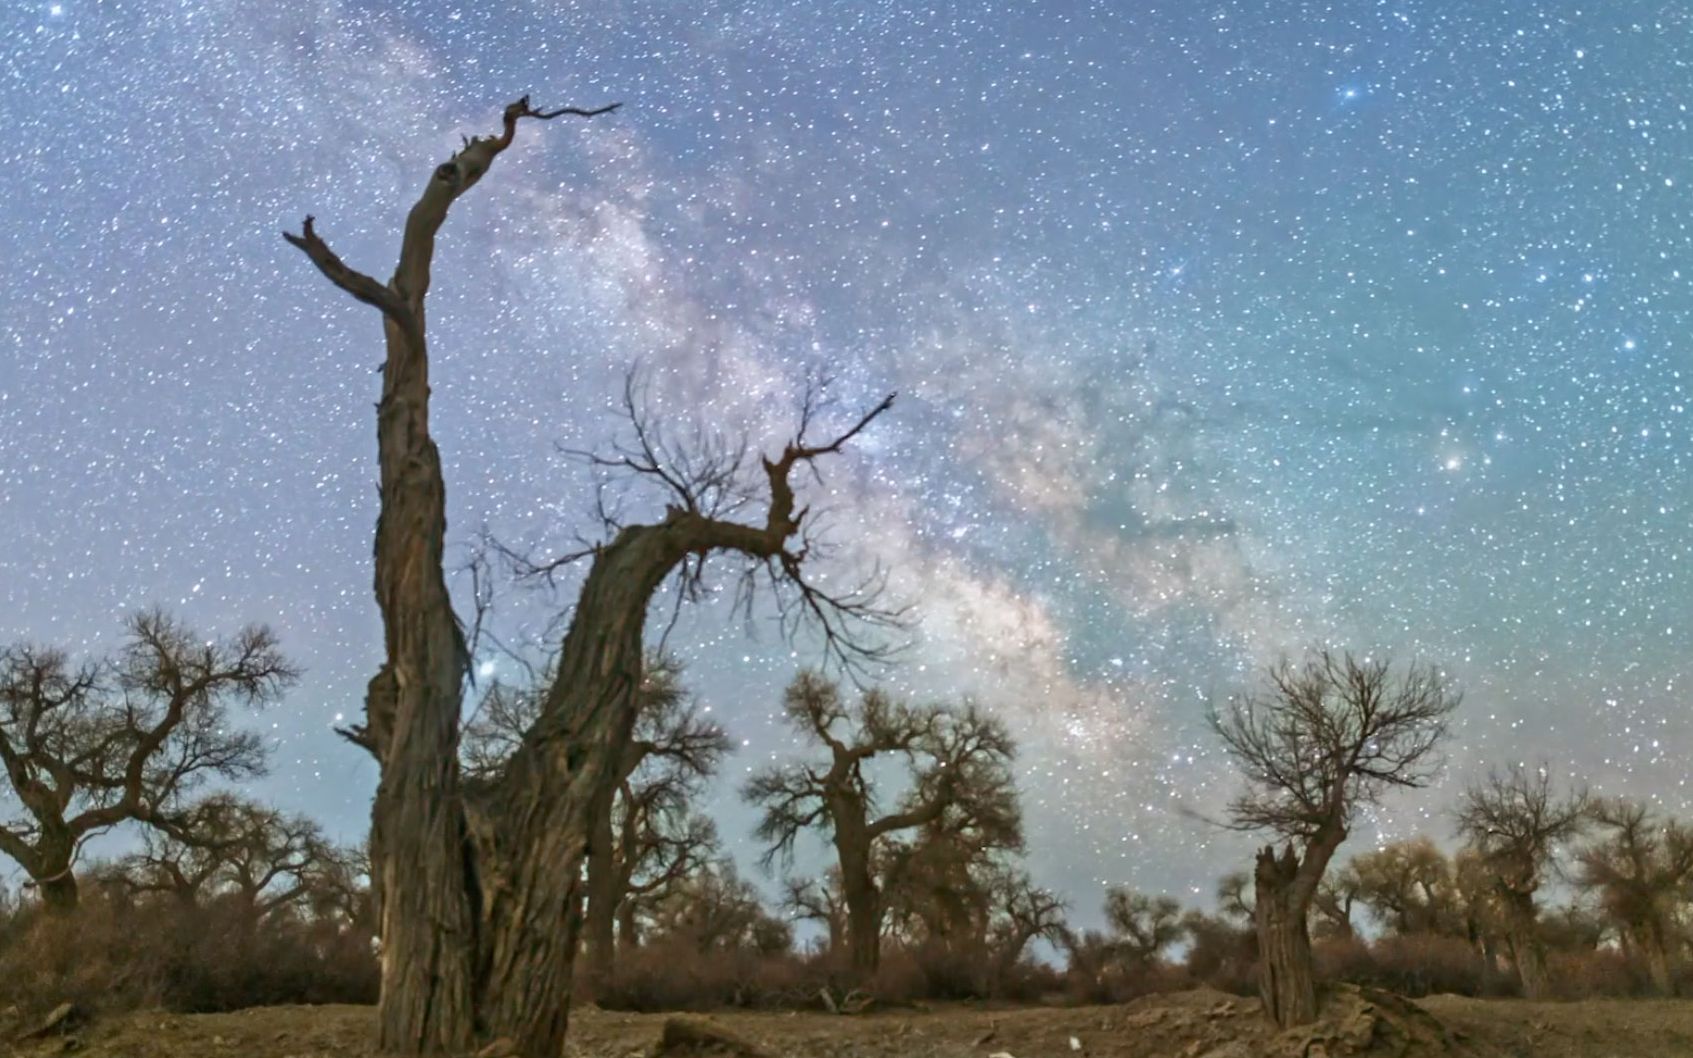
694,1038
1354,1023
1368,1022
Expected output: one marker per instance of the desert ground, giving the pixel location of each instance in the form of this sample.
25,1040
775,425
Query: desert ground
1197,1024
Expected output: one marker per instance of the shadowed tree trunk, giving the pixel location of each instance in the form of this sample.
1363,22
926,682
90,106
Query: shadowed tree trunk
1527,953
1284,889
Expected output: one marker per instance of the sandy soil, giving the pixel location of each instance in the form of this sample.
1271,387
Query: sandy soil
1184,1025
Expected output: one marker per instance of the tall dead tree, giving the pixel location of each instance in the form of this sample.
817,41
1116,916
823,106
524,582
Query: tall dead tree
1326,736
477,890
959,776
1515,823
89,747
1640,867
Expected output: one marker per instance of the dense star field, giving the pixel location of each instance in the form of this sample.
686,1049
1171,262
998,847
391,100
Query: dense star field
1218,328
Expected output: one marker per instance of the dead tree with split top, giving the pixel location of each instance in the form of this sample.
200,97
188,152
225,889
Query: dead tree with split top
1324,737
476,884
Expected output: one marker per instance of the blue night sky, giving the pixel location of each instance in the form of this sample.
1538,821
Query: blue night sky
1220,328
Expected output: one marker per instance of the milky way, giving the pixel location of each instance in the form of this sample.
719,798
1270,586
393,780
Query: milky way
1219,329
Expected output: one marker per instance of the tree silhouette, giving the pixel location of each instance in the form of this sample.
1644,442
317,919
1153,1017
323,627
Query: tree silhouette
1142,925
88,747
1514,823
1326,736
476,887
959,782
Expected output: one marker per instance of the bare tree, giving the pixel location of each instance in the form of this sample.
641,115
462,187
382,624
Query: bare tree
716,910
1640,868
959,782
814,900
1142,925
1328,735
477,889
1332,905
1023,913
89,747
1515,823
255,858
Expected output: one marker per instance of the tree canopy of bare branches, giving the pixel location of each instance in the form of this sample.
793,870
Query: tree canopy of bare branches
127,739
1515,823
958,783
1326,735
476,888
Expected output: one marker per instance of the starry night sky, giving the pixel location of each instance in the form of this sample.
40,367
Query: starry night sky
1219,328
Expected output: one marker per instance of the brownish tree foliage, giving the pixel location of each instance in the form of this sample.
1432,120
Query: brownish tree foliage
1515,823
959,792
1327,735
1409,888
477,886
88,747
1640,868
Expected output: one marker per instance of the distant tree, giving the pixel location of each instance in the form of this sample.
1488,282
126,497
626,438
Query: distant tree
239,853
716,911
959,781
1218,945
88,747
1234,896
1332,905
1023,913
1141,925
1640,868
1408,887
475,886
821,901
1327,736
1515,824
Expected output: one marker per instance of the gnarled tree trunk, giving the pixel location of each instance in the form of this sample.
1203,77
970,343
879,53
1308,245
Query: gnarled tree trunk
1286,976
479,891
1284,889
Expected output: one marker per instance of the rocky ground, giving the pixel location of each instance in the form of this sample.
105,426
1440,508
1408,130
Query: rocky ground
1198,1024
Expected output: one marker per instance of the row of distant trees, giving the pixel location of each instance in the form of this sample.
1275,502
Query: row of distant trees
929,861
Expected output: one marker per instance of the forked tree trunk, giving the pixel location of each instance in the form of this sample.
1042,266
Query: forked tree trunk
479,893
1287,980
